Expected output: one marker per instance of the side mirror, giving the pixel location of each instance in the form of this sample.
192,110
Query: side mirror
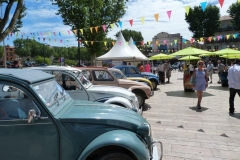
32,116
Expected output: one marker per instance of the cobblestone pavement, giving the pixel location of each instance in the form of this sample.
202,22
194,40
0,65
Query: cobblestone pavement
189,133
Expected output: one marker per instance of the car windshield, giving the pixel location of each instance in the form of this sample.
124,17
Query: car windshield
50,92
80,76
117,74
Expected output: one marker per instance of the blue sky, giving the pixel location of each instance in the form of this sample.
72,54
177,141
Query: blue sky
41,18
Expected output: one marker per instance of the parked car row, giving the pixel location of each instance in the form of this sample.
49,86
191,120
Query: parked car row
69,113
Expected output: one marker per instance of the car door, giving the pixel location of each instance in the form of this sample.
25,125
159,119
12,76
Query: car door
134,72
70,83
103,77
18,138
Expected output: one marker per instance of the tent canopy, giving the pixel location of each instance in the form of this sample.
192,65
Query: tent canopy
120,51
136,50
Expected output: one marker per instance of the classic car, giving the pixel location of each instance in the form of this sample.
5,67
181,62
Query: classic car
102,76
39,120
79,88
132,71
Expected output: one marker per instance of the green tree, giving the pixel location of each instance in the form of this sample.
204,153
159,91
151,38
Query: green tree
1,51
203,24
83,14
136,36
234,12
12,25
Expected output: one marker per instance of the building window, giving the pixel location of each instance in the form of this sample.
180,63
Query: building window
10,49
10,54
216,48
209,48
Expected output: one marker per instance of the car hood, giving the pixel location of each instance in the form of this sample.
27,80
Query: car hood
100,113
116,91
130,82
148,74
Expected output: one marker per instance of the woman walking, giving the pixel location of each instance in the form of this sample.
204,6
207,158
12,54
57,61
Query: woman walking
201,81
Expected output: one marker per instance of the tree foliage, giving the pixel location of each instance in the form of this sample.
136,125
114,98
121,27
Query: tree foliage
12,25
136,36
203,24
234,12
85,14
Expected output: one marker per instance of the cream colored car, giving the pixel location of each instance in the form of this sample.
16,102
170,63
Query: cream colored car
102,76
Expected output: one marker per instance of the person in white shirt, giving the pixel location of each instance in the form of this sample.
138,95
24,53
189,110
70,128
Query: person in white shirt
210,70
233,84
191,68
220,70
161,72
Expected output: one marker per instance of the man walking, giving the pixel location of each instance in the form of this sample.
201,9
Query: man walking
220,70
234,84
161,72
210,70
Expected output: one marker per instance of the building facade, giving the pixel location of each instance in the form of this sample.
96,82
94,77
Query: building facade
10,55
225,37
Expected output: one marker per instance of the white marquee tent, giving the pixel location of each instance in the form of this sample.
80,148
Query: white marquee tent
136,50
120,51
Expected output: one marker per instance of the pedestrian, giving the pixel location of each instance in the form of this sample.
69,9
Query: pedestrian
233,84
220,70
161,72
147,67
15,64
210,70
129,64
201,81
141,68
191,68
168,71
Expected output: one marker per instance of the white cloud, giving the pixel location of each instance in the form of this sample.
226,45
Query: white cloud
150,28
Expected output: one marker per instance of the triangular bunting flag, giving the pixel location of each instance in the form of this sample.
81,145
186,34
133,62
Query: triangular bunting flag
187,8
74,31
149,42
131,22
113,43
59,33
81,30
120,43
60,41
112,25
169,13
120,24
91,29
156,16
105,43
96,28
175,41
203,5
221,2
68,32
164,41
142,20
209,39
104,27
86,42
91,42
142,43
156,42
214,38
218,37
228,36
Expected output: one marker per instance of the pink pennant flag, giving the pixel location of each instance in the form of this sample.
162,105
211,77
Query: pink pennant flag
104,27
164,41
54,33
41,33
169,13
60,41
131,22
68,32
221,2
120,43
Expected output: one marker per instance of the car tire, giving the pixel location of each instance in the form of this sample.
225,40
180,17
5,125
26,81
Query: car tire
154,84
115,156
141,99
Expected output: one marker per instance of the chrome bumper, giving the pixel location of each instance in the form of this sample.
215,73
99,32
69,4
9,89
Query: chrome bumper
155,150
151,93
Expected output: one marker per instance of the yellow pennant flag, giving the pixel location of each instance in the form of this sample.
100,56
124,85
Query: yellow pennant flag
75,31
156,42
228,36
96,28
112,25
49,33
149,42
81,30
201,39
113,43
158,45
86,42
105,43
187,8
142,19
63,32
91,29
214,38
156,16
238,1
91,42
175,41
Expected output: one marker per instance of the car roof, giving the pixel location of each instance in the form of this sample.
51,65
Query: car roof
59,68
91,68
31,76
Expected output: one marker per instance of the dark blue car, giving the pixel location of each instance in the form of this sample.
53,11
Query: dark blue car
132,71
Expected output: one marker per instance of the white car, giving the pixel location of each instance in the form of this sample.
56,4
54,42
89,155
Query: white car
79,88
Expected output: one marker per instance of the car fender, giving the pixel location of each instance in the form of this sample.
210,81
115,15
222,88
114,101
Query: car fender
121,138
120,100
154,79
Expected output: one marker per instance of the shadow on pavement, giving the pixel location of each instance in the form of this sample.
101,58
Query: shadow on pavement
235,115
146,107
186,94
198,110
219,88
179,78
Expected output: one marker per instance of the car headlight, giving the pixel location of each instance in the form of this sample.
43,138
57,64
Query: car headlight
144,129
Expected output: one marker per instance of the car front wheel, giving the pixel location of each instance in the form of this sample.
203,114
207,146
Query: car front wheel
141,99
154,84
116,156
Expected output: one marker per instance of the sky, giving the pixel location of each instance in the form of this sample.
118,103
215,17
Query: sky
42,23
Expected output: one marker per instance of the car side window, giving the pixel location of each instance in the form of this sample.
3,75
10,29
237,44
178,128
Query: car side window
66,81
15,104
123,70
117,75
87,74
132,71
102,76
